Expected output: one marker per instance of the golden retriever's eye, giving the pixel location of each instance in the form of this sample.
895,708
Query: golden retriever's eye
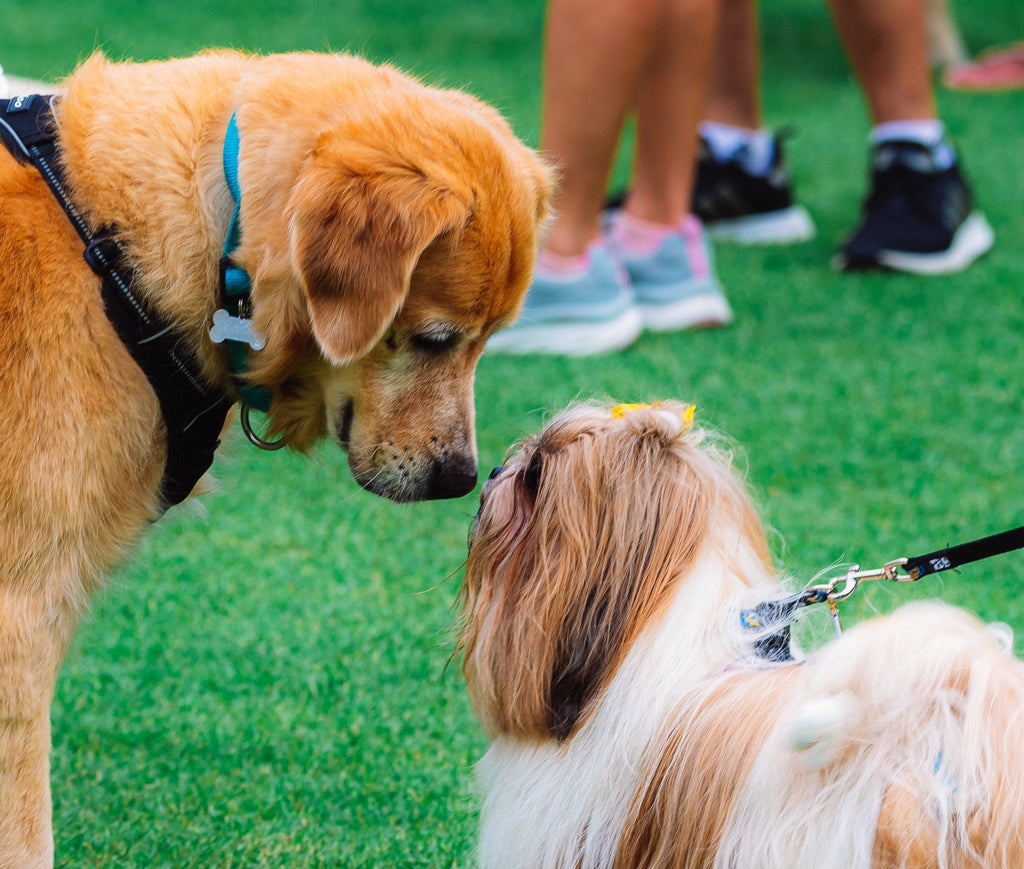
435,342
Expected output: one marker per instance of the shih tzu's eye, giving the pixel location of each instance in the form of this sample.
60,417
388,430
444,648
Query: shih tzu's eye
491,477
483,495
531,479
490,482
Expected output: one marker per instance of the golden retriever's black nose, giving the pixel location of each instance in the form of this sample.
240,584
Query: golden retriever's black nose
452,478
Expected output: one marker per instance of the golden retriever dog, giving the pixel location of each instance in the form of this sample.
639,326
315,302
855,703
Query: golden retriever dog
634,721
388,228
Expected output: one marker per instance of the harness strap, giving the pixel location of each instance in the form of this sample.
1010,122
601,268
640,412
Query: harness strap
772,619
193,412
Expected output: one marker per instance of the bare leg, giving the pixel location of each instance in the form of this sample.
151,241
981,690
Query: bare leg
595,53
602,58
670,103
734,96
886,43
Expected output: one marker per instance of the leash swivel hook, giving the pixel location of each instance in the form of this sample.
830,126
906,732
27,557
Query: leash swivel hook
839,588
254,438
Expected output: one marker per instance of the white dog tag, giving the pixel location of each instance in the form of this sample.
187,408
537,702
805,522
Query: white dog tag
228,328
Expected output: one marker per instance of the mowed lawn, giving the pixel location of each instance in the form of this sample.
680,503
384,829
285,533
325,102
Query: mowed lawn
269,682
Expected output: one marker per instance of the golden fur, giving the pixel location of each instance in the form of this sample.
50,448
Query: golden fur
633,724
388,228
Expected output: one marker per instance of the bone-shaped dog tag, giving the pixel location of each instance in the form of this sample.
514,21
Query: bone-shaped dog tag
228,328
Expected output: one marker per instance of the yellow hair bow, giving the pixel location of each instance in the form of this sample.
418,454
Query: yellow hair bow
620,410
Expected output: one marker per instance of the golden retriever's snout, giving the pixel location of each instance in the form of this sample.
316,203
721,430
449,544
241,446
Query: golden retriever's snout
452,478
402,477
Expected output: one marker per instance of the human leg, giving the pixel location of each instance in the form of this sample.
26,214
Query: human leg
734,94
669,104
919,215
602,58
595,54
663,249
888,50
742,189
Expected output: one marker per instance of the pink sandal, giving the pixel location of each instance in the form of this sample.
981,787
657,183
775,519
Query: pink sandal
992,71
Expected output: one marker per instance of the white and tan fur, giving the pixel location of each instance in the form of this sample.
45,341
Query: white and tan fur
631,723
388,227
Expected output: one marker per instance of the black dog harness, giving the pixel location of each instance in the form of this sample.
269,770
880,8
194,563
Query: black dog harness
193,412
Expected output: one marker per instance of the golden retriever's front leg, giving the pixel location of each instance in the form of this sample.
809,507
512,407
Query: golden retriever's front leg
33,639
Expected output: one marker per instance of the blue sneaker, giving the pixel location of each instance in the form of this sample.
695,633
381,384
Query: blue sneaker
675,286
574,316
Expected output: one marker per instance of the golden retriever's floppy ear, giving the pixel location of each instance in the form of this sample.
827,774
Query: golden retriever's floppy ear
359,222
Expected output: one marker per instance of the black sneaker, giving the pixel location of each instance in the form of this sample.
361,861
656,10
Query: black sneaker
919,216
738,206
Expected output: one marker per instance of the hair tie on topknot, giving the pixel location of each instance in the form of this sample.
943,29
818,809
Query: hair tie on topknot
620,410
686,415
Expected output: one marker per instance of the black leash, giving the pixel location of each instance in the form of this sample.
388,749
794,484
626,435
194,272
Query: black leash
954,556
193,412
774,618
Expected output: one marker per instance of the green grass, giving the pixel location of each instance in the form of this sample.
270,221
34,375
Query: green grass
270,685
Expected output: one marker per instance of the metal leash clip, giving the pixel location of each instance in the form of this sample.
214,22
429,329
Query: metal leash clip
839,588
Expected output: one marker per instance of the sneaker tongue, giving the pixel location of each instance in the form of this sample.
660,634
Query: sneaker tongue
913,155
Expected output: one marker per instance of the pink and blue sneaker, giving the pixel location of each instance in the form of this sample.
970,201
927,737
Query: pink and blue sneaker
581,311
671,272
639,276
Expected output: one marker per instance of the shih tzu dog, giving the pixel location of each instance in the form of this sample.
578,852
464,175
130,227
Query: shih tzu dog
636,721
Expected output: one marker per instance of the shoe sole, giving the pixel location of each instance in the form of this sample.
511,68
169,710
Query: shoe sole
790,225
973,239
570,338
703,311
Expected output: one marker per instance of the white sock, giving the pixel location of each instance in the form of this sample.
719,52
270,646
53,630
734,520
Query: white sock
930,132
725,141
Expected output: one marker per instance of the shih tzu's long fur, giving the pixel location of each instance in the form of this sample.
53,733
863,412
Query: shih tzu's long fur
632,723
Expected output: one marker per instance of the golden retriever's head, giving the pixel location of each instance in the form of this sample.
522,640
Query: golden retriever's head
413,230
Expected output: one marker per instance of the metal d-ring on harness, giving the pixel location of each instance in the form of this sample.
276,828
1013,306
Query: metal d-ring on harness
774,618
250,433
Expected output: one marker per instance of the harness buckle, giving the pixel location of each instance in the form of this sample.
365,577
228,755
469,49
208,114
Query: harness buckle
103,255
